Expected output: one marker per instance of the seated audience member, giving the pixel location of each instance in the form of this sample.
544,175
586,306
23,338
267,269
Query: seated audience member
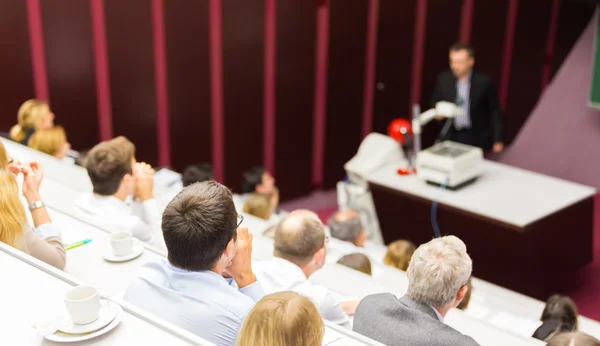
357,261
196,174
44,241
32,116
270,232
464,304
115,177
258,205
399,253
52,141
204,241
347,226
437,279
559,316
573,339
282,319
299,251
259,180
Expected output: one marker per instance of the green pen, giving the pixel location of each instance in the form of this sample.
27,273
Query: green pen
78,244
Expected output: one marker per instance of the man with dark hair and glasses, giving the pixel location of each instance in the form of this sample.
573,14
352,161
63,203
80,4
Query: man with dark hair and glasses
207,252
480,123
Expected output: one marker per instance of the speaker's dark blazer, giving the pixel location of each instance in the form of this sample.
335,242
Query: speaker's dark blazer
485,112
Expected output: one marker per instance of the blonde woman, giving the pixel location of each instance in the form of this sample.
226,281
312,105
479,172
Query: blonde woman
44,241
52,141
399,253
8,164
32,116
282,319
258,205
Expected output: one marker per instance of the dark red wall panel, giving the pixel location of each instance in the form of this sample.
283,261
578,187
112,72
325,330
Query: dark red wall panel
296,27
394,61
16,83
131,64
488,43
529,53
345,91
186,34
243,60
442,30
573,18
68,43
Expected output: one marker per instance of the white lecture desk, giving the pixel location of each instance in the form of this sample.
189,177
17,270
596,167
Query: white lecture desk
35,295
525,231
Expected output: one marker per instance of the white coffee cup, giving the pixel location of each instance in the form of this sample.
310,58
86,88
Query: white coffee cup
83,304
121,243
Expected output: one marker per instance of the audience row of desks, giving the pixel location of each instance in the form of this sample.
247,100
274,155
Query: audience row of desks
86,264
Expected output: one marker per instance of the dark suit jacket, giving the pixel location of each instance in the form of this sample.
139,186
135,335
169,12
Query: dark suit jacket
485,112
404,322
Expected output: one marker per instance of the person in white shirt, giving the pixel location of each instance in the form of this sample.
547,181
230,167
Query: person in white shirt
208,250
350,237
299,251
116,177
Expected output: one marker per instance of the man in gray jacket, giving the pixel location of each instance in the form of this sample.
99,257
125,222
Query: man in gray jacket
437,277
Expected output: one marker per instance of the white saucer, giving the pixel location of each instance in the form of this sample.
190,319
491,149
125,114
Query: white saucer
106,315
137,249
65,337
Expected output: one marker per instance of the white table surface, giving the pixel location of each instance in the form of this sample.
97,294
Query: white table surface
38,296
67,174
508,194
60,199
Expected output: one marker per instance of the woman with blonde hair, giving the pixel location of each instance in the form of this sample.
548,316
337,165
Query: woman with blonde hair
399,253
282,319
258,205
32,116
52,141
44,241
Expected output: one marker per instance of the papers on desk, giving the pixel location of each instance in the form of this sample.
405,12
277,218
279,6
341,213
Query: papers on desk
331,336
514,324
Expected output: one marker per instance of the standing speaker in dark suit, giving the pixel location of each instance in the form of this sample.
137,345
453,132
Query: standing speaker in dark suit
481,122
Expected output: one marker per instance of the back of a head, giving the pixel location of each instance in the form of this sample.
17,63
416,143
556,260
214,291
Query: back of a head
12,213
357,261
252,178
573,339
3,157
48,141
345,225
198,224
399,253
299,236
561,310
257,205
196,174
29,115
282,319
108,162
437,270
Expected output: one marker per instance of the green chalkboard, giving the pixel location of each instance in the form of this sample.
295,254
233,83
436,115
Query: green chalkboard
595,87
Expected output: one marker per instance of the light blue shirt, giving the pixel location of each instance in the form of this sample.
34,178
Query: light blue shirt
204,303
463,88
437,313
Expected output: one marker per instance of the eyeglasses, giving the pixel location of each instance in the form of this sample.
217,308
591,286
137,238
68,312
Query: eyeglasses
10,160
240,218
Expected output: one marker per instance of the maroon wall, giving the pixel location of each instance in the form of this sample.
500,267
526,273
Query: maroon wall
71,38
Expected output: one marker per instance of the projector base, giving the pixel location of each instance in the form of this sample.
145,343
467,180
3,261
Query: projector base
453,188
